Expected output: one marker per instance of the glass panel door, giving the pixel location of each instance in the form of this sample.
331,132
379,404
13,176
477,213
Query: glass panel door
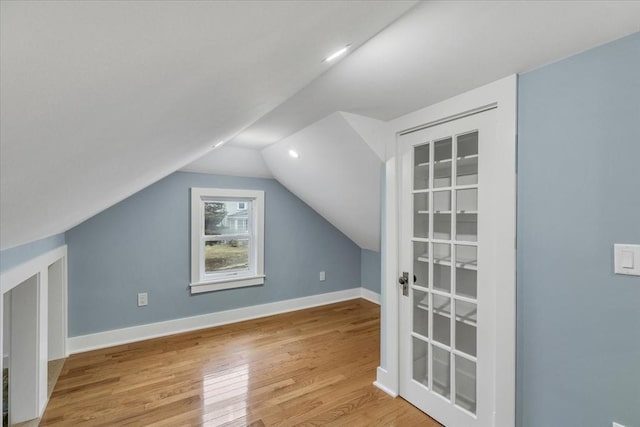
444,315
446,346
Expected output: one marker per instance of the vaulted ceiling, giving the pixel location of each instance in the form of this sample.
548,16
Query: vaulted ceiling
337,173
100,99
444,48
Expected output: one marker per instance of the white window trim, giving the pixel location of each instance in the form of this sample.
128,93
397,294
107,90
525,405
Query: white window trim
199,283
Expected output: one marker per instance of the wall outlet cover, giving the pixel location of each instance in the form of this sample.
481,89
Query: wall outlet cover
322,276
142,299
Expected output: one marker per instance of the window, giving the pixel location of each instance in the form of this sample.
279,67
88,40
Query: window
227,247
242,224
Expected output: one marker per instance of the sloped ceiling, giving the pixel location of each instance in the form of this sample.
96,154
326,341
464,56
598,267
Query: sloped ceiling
441,49
337,174
436,51
99,99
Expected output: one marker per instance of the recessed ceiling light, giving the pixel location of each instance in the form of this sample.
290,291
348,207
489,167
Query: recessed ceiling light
337,53
294,154
218,144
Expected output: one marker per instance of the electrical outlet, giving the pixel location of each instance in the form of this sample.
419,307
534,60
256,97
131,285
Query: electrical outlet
142,299
322,276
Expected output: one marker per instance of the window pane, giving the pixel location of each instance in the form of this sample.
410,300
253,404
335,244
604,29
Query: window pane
441,365
421,215
442,226
466,384
421,263
467,227
466,321
226,255
442,267
421,312
442,201
421,167
421,361
466,282
225,217
467,161
442,319
467,257
442,163
467,201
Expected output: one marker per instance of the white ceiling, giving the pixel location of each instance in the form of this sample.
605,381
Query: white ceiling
441,49
100,99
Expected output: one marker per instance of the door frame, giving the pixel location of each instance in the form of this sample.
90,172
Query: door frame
502,95
33,406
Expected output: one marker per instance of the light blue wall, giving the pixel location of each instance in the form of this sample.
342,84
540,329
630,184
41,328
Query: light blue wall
142,245
578,194
12,257
371,261
370,270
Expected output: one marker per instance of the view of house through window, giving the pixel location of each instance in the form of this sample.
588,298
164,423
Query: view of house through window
227,236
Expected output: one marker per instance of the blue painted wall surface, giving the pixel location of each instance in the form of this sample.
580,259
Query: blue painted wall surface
142,245
578,194
370,270
12,257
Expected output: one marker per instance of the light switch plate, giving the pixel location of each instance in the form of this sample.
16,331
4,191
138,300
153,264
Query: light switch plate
626,259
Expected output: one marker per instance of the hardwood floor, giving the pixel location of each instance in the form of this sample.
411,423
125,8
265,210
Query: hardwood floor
312,367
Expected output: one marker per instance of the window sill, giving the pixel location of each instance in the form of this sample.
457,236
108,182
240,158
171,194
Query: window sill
231,283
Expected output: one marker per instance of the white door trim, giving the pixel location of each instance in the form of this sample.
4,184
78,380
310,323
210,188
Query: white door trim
502,93
38,267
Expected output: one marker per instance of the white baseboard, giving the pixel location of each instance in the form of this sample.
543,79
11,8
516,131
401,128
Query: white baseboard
381,382
98,340
370,296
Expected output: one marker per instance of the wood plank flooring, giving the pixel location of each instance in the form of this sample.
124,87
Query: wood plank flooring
312,367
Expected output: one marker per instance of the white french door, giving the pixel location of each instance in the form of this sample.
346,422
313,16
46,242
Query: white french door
448,235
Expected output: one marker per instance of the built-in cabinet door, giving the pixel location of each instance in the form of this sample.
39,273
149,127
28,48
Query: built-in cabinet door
447,325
